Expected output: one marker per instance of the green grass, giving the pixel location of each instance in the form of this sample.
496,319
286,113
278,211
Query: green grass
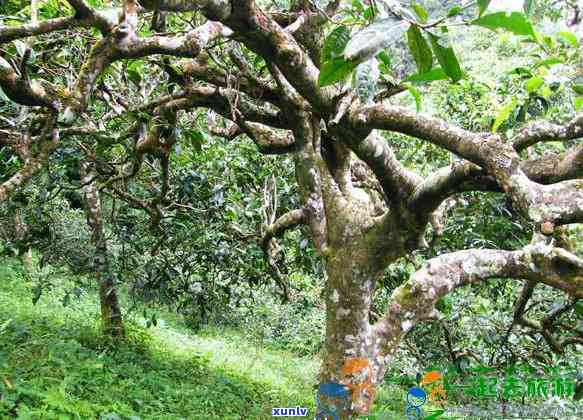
55,365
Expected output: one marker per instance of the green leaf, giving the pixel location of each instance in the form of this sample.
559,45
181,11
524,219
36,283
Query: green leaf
196,138
134,71
434,414
548,62
384,62
335,70
4,327
579,308
569,38
417,96
335,43
419,49
578,88
36,294
534,83
66,299
538,38
420,12
436,73
454,11
514,22
446,57
358,5
482,6
504,114
548,42
371,12
522,110
384,58
559,145
374,38
523,72
578,103
546,92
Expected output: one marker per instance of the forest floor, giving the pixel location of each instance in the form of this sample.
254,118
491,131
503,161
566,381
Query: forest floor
55,365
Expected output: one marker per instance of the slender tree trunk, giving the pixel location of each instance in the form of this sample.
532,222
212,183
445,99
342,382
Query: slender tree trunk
24,253
110,310
27,260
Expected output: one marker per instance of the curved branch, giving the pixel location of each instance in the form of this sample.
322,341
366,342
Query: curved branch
467,176
49,141
436,188
251,85
85,16
214,9
469,145
149,206
231,132
229,103
541,203
544,131
550,169
189,45
286,222
268,141
124,43
104,20
416,299
21,90
398,182
545,328
10,33
262,35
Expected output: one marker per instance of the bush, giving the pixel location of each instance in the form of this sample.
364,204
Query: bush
297,326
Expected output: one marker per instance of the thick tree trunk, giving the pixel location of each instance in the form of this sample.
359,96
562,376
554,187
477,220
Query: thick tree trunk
110,310
352,365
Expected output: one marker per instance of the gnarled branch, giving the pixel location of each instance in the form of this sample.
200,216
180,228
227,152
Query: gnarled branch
270,249
541,131
414,300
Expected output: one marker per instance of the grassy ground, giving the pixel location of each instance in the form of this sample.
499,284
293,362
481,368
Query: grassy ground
54,365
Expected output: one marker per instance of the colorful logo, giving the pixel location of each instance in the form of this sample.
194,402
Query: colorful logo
417,397
354,391
357,374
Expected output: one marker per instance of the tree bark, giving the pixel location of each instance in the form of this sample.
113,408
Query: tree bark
111,317
351,353
354,259
24,252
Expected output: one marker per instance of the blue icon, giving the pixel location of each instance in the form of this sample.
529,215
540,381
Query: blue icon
415,399
336,400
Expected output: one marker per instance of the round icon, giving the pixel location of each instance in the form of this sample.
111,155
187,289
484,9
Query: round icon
416,397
